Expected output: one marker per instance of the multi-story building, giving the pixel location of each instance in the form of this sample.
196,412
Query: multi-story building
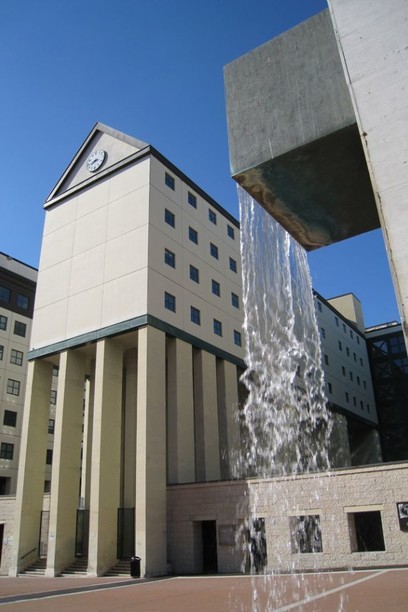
389,365
139,312
17,290
348,380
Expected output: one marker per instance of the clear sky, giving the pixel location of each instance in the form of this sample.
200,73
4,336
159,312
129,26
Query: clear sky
154,70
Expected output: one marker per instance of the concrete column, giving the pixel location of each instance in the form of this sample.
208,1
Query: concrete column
30,483
228,422
66,464
206,417
151,536
180,412
129,432
105,467
87,440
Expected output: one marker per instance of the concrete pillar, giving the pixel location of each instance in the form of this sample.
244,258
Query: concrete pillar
66,464
30,484
105,467
230,440
206,417
87,440
151,536
180,412
129,432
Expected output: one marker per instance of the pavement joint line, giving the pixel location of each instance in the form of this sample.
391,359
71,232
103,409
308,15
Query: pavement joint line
10,599
343,587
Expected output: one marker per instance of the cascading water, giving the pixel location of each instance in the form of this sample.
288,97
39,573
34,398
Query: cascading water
285,423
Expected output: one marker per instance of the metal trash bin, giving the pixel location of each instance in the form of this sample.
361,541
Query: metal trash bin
135,567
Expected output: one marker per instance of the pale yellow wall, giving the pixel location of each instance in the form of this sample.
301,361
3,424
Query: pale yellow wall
94,258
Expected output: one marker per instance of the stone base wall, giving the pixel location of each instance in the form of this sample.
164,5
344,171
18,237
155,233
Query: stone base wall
7,511
335,498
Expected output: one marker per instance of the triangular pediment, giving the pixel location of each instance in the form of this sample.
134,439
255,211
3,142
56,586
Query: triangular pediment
104,149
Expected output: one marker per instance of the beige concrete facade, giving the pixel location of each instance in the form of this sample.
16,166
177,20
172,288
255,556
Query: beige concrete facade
146,391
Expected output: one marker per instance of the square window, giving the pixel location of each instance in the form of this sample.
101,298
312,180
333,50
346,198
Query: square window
51,426
237,338
194,274
215,288
217,327
232,264
231,232
343,369
192,200
358,339
322,332
49,456
169,301
306,535
13,387
4,295
234,300
23,301
6,451
214,250
326,359
366,531
344,328
319,307
10,418
340,345
53,398
361,361
16,357
330,387
169,258
212,216
351,334
169,217
193,235
195,315
347,351
169,180
337,321
3,322
20,328
354,357
1,351
347,397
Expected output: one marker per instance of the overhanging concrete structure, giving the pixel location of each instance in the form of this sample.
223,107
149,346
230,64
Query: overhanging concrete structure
318,127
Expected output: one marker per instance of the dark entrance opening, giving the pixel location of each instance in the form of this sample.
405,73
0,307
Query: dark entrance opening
368,531
126,533
209,538
82,533
1,538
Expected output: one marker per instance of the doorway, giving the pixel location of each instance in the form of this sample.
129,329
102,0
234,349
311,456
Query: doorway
209,542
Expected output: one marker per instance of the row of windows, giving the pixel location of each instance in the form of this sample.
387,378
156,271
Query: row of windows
7,452
352,334
170,219
170,260
16,356
19,327
192,200
22,301
348,398
195,317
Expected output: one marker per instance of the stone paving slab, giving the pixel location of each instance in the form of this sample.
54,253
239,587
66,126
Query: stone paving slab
360,591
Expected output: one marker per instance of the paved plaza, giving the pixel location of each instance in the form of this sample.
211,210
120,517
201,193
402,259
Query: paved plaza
359,591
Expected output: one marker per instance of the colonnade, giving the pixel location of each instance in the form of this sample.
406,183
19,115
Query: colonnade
134,413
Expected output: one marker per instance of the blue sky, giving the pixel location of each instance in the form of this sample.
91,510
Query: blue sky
153,70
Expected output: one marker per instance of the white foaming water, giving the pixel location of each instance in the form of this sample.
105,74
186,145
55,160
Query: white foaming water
285,422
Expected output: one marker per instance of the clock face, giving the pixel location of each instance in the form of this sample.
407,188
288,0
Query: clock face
95,160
